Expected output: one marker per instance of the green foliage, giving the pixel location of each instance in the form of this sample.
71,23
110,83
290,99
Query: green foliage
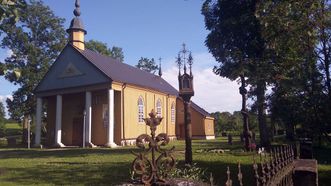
232,123
35,42
102,48
299,97
236,42
10,11
147,65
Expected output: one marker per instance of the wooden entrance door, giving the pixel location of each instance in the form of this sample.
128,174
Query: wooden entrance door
77,131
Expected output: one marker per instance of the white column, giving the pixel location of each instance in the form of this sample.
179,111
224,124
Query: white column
110,140
38,122
58,122
88,119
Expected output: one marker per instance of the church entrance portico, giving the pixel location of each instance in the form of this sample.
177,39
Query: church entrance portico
74,118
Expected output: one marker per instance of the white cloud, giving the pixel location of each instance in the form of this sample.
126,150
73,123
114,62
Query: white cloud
4,53
212,92
9,52
3,98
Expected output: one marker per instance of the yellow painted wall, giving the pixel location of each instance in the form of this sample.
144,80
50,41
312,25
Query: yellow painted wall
126,123
197,123
99,130
132,128
201,125
78,36
209,126
171,128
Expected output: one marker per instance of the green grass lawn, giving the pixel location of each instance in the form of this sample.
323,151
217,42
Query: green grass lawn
101,166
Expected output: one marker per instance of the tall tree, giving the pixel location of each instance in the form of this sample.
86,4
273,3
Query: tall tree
9,11
2,120
147,65
290,31
35,42
236,43
102,48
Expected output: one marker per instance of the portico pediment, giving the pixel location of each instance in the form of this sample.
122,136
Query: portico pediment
70,70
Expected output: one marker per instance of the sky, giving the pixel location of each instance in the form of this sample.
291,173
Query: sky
153,29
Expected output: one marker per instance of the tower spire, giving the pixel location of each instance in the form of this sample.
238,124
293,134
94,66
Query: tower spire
160,69
77,9
76,30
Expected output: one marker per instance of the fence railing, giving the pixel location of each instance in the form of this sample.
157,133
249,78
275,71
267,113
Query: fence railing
270,169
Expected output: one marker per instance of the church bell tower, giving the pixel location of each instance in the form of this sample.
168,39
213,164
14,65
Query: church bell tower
76,30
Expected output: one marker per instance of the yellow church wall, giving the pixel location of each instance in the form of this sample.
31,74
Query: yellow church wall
99,130
198,125
133,128
171,128
77,39
201,126
209,126
116,86
179,118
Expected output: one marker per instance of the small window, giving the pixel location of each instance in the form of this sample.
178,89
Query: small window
140,110
158,108
173,112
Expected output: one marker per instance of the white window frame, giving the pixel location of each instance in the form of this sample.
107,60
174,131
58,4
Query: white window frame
159,108
173,113
140,110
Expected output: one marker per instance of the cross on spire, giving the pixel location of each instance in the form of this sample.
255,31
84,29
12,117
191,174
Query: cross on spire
160,70
77,9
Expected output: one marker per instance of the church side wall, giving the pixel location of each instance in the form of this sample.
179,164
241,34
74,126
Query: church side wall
171,128
99,129
209,126
133,128
202,126
198,125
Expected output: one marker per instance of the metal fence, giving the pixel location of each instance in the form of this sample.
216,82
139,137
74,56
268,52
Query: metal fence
270,169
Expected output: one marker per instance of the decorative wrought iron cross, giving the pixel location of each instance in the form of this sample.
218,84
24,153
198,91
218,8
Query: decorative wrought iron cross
153,171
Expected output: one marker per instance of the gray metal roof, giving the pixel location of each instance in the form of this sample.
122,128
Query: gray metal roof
76,24
125,73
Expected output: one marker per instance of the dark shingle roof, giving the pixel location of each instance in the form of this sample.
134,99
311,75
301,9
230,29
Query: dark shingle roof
125,73
200,110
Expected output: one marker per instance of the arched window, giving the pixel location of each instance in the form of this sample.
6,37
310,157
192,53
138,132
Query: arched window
159,108
173,112
140,109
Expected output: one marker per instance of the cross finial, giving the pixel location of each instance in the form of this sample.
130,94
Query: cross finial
184,48
77,9
160,70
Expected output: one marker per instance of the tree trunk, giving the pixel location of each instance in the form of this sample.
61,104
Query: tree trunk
260,95
25,129
290,131
188,133
246,132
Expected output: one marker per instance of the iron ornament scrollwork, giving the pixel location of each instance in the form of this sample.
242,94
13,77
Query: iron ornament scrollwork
153,163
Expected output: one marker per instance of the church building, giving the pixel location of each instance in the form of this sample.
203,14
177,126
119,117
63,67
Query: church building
95,100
